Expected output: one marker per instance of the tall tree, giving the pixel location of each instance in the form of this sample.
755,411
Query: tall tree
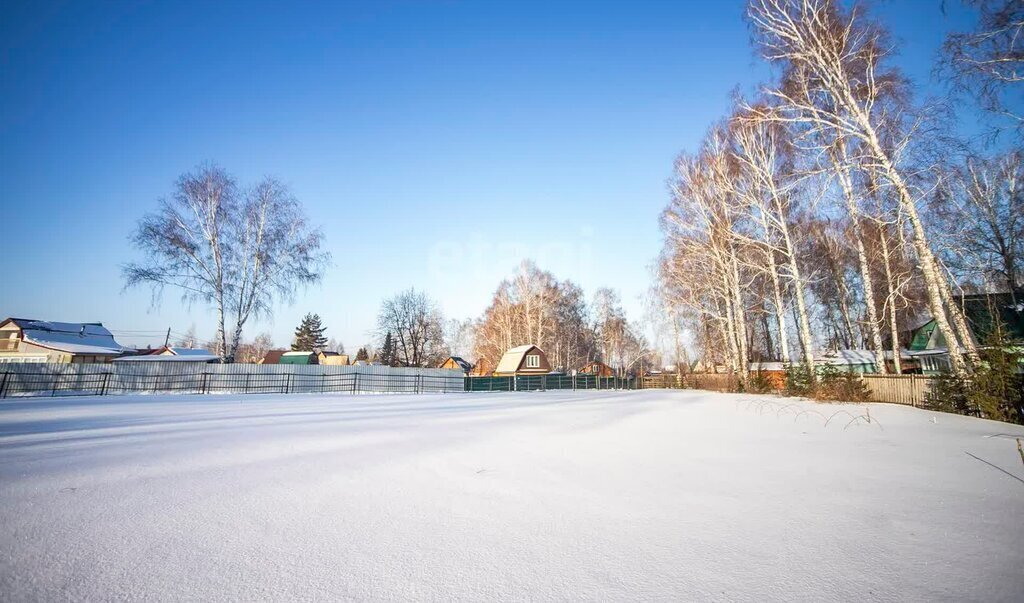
417,328
980,210
534,307
835,78
309,335
387,351
237,251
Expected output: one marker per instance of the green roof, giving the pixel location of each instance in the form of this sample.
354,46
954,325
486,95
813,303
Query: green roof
983,313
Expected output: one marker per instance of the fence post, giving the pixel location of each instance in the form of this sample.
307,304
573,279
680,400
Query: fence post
287,383
913,391
419,384
3,385
53,392
355,384
203,384
103,390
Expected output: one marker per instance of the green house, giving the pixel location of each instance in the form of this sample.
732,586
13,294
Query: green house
983,312
298,358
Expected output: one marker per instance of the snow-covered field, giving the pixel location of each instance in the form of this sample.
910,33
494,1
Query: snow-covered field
666,495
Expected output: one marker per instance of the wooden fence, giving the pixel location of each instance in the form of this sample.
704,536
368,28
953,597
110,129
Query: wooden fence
719,382
899,389
911,390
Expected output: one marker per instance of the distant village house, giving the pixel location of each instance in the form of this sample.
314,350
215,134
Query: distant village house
523,360
597,368
171,354
29,340
332,358
457,363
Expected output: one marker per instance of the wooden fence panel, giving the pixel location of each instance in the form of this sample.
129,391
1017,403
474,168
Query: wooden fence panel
719,382
899,389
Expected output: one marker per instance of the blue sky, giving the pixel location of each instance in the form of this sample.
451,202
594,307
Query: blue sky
437,143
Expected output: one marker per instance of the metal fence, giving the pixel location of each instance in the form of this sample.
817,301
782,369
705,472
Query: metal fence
525,383
188,378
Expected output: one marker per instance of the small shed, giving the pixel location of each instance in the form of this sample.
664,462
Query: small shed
298,358
523,360
457,363
272,357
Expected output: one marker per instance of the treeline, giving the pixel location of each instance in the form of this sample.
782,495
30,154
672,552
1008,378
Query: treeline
531,307
830,210
535,307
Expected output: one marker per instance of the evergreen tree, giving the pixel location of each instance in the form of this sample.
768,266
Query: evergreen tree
387,351
362,354
309,336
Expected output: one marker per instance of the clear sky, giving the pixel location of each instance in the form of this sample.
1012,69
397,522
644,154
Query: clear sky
437,143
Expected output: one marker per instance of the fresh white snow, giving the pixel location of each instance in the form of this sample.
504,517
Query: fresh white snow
654,495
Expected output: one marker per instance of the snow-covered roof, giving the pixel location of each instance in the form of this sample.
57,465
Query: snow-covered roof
848,357
197,352
931,352
512,359
857,356
71,337
463,364
208,357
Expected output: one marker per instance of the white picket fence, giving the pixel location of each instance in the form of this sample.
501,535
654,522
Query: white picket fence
179,377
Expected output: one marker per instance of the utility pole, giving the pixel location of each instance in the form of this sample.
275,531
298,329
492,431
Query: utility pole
167,340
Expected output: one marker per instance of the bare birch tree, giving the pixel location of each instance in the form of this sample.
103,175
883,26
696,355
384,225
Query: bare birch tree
237,251
416,326
835,79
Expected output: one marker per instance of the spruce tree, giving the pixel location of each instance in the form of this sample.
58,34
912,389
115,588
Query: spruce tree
362,354
387,351
309,336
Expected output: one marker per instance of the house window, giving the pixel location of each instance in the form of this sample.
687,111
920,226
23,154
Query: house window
533,361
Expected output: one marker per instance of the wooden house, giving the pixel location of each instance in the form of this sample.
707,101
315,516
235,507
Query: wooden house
29,340
457,363
272,357
332,358
984,313
482,368
523,360
597,368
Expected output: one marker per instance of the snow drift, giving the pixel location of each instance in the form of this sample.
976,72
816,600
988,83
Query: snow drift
664,495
